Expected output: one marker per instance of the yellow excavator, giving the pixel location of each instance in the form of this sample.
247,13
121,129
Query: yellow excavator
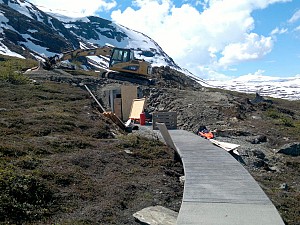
122,63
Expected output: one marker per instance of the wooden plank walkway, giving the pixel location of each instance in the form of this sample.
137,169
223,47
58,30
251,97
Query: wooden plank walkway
218,189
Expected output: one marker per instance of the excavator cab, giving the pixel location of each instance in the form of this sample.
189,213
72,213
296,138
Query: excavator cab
122,60
120,55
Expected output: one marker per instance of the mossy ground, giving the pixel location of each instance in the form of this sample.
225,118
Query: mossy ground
64,162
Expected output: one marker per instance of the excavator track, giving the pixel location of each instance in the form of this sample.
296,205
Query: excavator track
136,79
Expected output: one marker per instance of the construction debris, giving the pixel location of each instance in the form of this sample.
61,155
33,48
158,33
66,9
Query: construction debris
205,133
226,146
110,115
137,108
117,121
101,107
168,118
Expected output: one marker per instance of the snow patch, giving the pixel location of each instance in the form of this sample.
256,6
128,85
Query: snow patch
5,51
277,87
36,48
32,31
67,19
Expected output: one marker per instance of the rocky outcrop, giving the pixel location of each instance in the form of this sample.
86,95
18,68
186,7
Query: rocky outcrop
292,149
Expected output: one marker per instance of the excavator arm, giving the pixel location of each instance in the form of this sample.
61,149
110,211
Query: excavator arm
104,51
52,61
122,64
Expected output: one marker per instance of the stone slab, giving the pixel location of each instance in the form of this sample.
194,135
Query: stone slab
156,215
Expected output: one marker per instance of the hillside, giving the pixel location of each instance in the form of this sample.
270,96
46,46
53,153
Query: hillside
63,162
261,129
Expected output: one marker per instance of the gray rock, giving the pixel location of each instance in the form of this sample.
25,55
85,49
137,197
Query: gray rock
259,139
274,169
156,215
182,180
284,186
256,117
292,149
258,154
259,163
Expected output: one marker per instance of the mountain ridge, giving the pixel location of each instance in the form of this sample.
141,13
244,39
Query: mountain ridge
30,32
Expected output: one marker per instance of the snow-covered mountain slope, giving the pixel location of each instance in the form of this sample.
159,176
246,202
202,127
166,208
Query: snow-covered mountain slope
285,88
26,31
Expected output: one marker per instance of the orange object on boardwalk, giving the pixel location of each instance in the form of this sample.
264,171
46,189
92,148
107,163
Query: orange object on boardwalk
208,135
204,132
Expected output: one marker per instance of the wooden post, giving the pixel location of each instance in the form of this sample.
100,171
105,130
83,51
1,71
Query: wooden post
101,107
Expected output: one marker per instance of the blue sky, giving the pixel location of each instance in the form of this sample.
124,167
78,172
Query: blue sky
214,39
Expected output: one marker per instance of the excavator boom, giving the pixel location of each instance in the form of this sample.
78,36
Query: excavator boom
104,51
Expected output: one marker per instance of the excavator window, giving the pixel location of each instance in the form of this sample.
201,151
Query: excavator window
121,55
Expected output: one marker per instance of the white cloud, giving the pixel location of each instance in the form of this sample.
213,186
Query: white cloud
297,29
211,74
295,17
253,47
194,38
75,8
279,31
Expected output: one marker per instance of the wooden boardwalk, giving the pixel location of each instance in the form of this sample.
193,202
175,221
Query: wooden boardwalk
218,189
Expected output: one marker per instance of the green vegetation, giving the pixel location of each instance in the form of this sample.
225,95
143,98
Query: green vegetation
147,148
11,69
284,120
23,196
280,118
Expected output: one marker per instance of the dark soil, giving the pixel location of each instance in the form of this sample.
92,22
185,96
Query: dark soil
62,162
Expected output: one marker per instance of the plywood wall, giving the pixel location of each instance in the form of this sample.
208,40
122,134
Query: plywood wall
128,93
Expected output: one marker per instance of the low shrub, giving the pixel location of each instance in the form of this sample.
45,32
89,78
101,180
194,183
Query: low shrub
273,114
288,122
11,69
12,76
22,197
280,118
